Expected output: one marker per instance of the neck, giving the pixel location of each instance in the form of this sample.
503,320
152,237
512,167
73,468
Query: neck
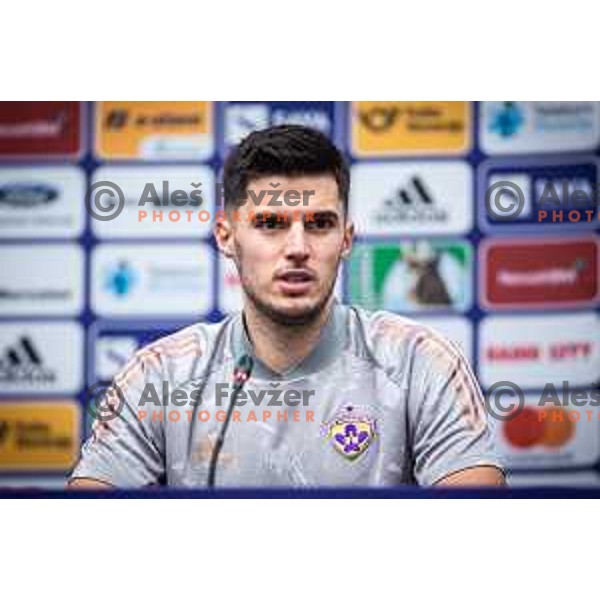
280,346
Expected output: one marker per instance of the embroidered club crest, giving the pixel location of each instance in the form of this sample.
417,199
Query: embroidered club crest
351,431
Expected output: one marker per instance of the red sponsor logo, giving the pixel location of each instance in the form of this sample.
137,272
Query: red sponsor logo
40,128
514,353
558,351
542,273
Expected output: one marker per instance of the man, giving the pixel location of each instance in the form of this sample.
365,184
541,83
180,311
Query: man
336,396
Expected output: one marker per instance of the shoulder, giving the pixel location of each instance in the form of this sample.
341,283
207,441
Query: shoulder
398,344
423,361
180,356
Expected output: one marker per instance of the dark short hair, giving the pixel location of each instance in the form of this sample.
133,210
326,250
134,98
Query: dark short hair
291,150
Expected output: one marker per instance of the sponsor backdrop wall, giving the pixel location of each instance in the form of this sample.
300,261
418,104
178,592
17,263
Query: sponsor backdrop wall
78,294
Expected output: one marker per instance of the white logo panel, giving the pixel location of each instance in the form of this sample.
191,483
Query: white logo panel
148,279
524,127
159,202
41,202
38,358
412,198
532,351
41,279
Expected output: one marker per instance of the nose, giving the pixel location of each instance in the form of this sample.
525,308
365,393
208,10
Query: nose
296,246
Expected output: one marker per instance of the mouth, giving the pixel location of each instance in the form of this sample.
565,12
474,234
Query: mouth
295,281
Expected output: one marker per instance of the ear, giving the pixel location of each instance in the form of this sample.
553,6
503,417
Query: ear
348,239
224,236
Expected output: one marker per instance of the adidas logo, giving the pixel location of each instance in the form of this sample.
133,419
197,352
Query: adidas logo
412,203
22,363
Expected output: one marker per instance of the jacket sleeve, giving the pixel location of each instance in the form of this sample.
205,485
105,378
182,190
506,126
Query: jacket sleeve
126,449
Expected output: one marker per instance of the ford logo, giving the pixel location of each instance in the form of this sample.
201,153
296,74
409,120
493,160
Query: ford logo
26,195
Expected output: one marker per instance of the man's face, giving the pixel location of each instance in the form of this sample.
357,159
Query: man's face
288,268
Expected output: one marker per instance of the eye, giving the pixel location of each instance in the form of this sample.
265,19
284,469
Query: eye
269,223
321,223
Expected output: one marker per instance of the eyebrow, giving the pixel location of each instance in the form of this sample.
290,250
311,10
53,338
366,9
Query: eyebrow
326,213
317,214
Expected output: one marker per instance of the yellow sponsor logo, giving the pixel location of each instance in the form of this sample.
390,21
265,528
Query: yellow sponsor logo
39,436
396,128
154,130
